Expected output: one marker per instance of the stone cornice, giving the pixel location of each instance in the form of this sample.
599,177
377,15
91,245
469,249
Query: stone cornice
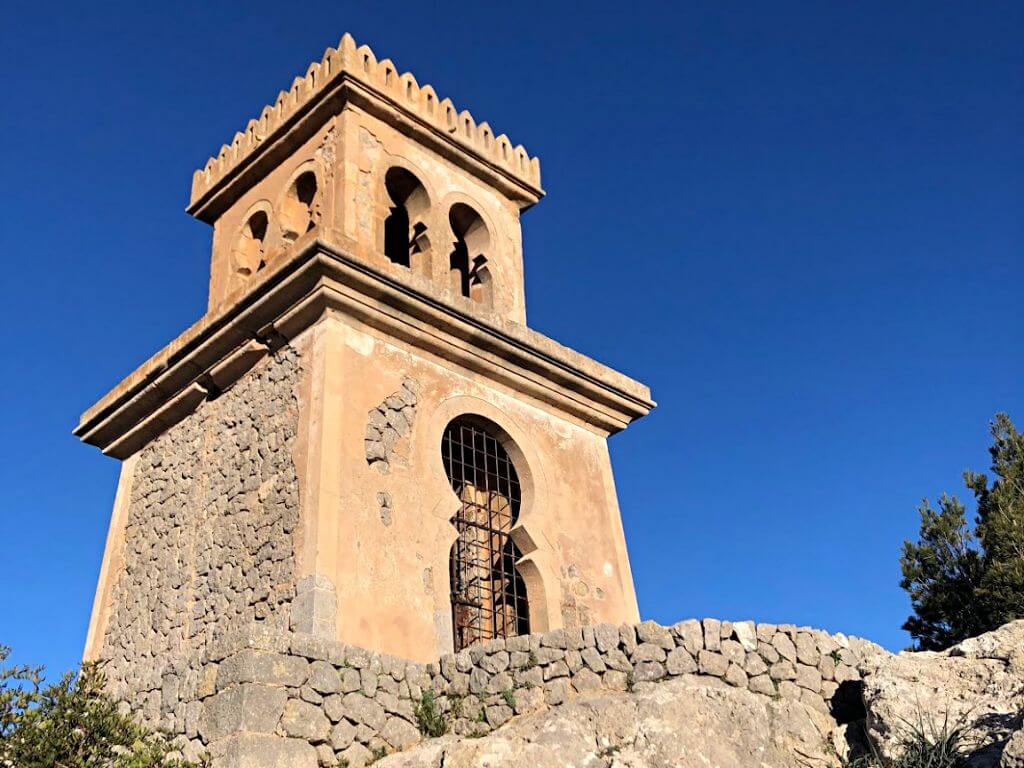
327,84
318,279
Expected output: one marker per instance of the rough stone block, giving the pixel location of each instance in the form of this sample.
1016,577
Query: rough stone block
356,756
527,700
498,714
762,684
399,734
765,632
317,648
586,680
754,665
808,677
252,666
711,663
365,711
323,678
314,608
680,662
733,651
782,670
789,690
784,645
690,635
617,660
736,676
255,750
606,637
556,691
807,649
767,652
558,669
746,634
712,634
648,671
342,735
648,652
627,637
307,721
652,632
614,680
592,658
247,707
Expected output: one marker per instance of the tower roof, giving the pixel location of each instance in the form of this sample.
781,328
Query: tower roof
357,66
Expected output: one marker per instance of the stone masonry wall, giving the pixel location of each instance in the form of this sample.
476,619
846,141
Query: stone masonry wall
208,543
292,699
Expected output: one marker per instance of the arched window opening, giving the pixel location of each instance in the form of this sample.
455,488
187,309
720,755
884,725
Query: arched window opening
299,210
468,261
249,252
405,233
487,591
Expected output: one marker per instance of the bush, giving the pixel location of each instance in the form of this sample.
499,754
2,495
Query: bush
71,724
429,717
925,744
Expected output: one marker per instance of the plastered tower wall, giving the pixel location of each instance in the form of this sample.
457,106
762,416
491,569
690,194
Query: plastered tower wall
386,531
282,457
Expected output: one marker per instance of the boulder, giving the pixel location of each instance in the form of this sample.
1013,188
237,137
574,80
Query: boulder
686,722
977,685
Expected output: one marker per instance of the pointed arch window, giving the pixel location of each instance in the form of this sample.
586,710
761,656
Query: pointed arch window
487,591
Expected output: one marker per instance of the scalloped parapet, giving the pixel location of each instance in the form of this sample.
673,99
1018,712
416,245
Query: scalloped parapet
359,63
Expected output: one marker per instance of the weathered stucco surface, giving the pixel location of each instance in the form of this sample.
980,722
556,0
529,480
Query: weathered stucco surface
379,507
207,544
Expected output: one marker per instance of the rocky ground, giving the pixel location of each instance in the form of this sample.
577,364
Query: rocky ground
699,722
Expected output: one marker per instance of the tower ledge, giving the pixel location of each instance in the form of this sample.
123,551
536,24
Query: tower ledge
355,69
319,278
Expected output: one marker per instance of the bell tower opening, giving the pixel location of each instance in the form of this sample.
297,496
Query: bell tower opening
487,591
470,274
405,233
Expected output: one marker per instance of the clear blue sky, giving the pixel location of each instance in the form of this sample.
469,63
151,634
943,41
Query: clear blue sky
800,223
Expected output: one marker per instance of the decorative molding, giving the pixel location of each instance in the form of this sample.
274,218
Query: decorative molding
318,279
359,63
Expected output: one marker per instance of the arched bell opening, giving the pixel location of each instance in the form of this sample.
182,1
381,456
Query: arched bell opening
248,255
299,208
406,241
468,261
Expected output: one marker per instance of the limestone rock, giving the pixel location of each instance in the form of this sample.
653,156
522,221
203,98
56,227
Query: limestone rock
684,723
1013,753
979,683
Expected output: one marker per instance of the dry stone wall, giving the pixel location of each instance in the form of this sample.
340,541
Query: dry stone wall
311,701
388,423
208,543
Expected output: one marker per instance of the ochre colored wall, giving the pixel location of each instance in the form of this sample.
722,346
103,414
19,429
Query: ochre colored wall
351,155
391,579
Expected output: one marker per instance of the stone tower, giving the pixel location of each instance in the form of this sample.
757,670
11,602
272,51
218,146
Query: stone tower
361,439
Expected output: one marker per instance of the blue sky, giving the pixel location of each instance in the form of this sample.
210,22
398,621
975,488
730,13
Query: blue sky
800,223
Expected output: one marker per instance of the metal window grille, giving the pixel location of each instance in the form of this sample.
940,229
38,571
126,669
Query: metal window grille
488,594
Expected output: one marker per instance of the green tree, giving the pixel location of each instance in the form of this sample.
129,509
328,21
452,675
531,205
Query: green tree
965,581
71,724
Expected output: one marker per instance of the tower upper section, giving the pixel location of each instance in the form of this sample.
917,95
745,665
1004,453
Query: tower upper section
362,156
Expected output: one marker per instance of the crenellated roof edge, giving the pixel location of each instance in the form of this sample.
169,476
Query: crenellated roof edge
360,63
